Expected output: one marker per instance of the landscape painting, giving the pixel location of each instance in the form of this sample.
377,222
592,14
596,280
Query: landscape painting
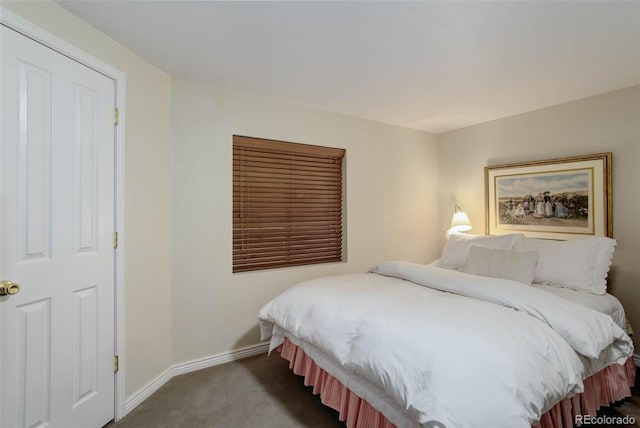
555,199
547,200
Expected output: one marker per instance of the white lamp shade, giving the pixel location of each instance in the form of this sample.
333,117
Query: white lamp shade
460,222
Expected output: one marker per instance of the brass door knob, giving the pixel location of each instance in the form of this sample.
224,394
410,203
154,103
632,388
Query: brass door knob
8,288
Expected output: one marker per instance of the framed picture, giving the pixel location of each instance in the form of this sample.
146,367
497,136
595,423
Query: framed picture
564,198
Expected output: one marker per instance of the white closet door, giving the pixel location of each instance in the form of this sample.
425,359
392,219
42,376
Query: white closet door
56,225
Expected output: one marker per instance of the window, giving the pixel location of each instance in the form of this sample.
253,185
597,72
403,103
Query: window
287,204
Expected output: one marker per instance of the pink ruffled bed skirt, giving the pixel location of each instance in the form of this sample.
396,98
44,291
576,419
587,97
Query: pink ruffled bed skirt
603,388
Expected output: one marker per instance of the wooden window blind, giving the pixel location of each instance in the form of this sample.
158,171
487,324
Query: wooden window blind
287,204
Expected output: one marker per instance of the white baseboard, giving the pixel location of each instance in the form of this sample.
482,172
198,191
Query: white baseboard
143,393
214,360
178,369
636,359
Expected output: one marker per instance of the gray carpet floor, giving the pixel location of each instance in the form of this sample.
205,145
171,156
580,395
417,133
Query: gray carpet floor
257,392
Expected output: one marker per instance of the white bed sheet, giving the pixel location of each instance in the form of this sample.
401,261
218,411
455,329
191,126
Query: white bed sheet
605,303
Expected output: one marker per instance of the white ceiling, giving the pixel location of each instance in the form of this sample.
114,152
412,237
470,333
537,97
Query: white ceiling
434,66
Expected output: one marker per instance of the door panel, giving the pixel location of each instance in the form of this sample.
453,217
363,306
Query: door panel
33,347
57,221
85,232
34,161
85,344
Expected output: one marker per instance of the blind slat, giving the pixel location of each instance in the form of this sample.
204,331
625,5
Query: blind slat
284,210
297,193
280,178
272,244
248,218
278,240
273,206
259,224
285,222
275,163
274,262
304,199
283,170
276,252
278,236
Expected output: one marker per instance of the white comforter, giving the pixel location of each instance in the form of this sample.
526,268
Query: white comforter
486,352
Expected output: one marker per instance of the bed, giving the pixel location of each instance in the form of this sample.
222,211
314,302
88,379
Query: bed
501,331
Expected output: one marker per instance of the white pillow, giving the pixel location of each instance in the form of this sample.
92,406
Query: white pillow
454,255
580,264
507,264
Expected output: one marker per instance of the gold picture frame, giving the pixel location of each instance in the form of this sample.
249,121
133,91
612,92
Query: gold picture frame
564,198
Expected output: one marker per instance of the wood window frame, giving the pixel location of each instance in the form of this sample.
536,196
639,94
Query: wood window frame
287,204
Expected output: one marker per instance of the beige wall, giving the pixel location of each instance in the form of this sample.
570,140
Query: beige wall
391,183
147,190
605,123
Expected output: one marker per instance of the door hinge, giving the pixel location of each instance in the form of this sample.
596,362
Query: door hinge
116,364
115,240
116,116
